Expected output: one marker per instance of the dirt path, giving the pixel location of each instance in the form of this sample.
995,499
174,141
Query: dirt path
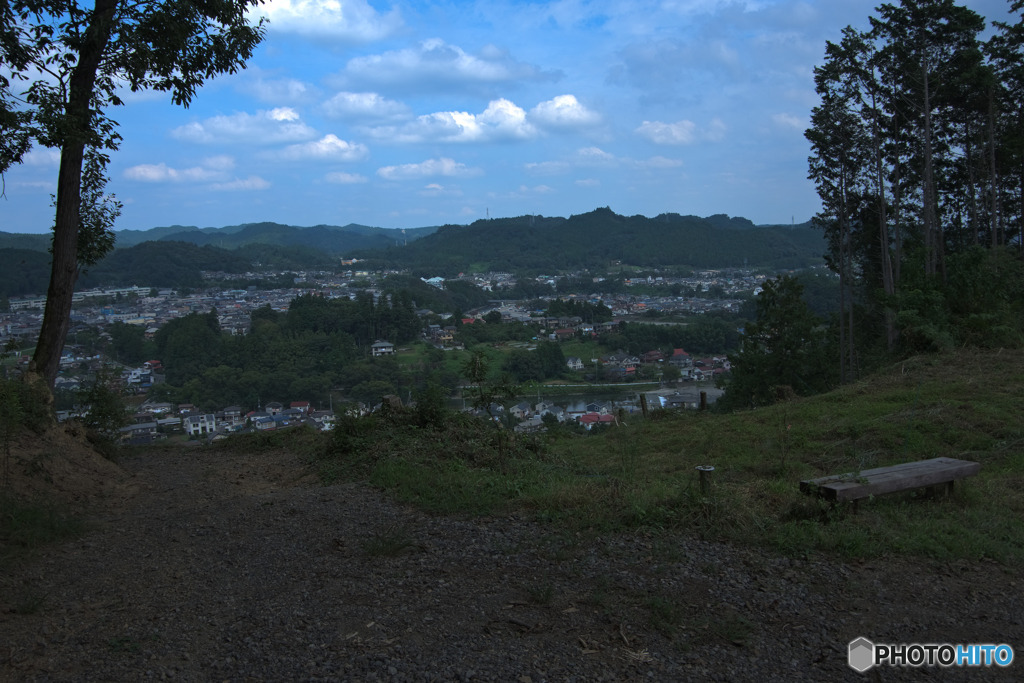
235,567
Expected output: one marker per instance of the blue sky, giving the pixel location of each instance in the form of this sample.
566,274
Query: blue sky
407,114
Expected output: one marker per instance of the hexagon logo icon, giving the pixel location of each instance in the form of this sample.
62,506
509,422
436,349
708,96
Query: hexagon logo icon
862,655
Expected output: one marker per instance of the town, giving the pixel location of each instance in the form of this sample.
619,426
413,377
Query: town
88,350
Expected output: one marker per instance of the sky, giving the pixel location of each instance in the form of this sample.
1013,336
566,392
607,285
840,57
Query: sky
410,114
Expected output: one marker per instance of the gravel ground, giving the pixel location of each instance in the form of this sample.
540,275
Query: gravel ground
235,568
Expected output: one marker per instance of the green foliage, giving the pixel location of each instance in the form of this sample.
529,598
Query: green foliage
588,312
26,525
128,343
594,240
23,272
163,264
785,350
107,412
431,407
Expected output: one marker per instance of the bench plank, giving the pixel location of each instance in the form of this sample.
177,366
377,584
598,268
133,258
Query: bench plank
881,480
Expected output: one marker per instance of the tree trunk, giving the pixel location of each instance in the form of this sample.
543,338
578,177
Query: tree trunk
931,240
64,266
888,282
993,168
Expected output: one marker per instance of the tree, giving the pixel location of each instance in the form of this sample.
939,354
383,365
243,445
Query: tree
785,347
916,155
67,63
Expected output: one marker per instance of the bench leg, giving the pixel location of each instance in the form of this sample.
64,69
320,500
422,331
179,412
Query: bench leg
856,503
949,489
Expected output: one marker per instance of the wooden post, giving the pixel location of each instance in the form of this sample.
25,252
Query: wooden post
703,400
643,404
705,471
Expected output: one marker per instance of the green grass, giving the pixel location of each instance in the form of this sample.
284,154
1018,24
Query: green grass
27,525
963,405
388,541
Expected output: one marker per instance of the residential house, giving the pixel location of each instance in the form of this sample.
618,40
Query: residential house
139,433
574,363
520,411
623,363
563,334
382,348
652,357
234,415
197,425
273,408
588,420
680,359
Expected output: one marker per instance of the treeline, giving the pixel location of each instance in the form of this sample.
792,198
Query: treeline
596,240
918,158
317,346
23,272
161,264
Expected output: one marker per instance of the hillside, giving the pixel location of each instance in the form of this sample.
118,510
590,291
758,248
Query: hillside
596,559
173,256
332,239
595,240
23,272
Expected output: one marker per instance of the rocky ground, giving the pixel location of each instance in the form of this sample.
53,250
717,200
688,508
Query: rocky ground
204,565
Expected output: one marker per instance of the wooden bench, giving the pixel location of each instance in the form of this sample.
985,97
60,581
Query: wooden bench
879,480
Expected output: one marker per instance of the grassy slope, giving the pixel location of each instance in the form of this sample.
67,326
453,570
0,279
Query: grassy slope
965,405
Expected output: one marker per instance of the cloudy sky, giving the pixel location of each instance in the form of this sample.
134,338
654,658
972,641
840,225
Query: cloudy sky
406,114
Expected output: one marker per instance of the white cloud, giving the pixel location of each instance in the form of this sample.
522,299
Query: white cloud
790,121
435,64
548,167
681,132
329,147
588,182
346,20
275,90
564,111
340,178
658,162
502,120
213,168
265,127
364,105
678,133
715,130
594,156
42,156
242,184
429,168
438,190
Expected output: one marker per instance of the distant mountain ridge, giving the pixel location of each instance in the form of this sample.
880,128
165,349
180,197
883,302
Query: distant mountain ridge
174,255
595,240
331,238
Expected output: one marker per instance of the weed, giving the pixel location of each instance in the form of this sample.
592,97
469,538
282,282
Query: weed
728,625
389,541
600,593
30,602
666,615
27,525
541,593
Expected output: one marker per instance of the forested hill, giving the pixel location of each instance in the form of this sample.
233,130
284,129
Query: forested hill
327,238
597,239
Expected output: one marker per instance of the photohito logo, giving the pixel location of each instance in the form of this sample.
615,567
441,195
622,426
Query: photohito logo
863,654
